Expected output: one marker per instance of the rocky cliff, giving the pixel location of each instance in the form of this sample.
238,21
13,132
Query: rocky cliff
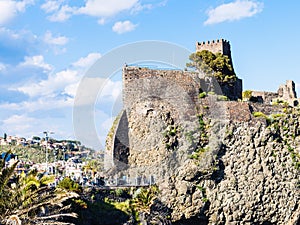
247,173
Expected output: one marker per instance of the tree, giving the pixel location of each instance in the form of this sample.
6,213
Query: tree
216,65
69,185
144,199
92,167
36,138
29,199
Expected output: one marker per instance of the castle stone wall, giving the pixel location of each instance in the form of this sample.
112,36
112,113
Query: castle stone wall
233,90
264,96
178,88
264,108
286,93
238,111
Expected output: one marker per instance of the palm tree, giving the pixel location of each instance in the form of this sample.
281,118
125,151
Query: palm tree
144,199
6,174
28,199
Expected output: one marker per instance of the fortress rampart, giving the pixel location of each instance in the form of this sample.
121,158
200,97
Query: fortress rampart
143,83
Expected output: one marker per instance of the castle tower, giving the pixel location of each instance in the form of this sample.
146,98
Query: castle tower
215,46
223,46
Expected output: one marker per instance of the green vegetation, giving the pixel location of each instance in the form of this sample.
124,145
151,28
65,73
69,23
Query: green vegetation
278,115
203,191
144,199
93,166
34,153
119,206
259,114
69,185
269,119
101,212
114,126
197,153
201,123
37,153
202,95
222,98
216,65
201,143
171,137
295,156
247,95
280,102
283,127
171,131
25,198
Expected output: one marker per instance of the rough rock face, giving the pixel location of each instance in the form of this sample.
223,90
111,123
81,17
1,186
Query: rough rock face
157,141
221,170
248,174
260,179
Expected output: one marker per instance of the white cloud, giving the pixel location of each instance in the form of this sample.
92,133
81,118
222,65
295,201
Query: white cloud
54,85
148,6
111,90
36,61
9,9
233,11
41,104
59,40
51,6
71,89
106,90
139,7
104,8
24,125
17,124
9,33
62,83
63,14
59,11
87,61
2,67
24,41
123,27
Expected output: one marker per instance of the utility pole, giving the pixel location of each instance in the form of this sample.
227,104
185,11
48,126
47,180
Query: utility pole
56,151
46,138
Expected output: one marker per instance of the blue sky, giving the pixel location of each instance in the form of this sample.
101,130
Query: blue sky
47,46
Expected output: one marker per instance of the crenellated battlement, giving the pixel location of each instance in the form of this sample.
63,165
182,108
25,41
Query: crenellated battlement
213,42
215,46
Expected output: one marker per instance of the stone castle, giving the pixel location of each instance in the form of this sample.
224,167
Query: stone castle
179,90
212,159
